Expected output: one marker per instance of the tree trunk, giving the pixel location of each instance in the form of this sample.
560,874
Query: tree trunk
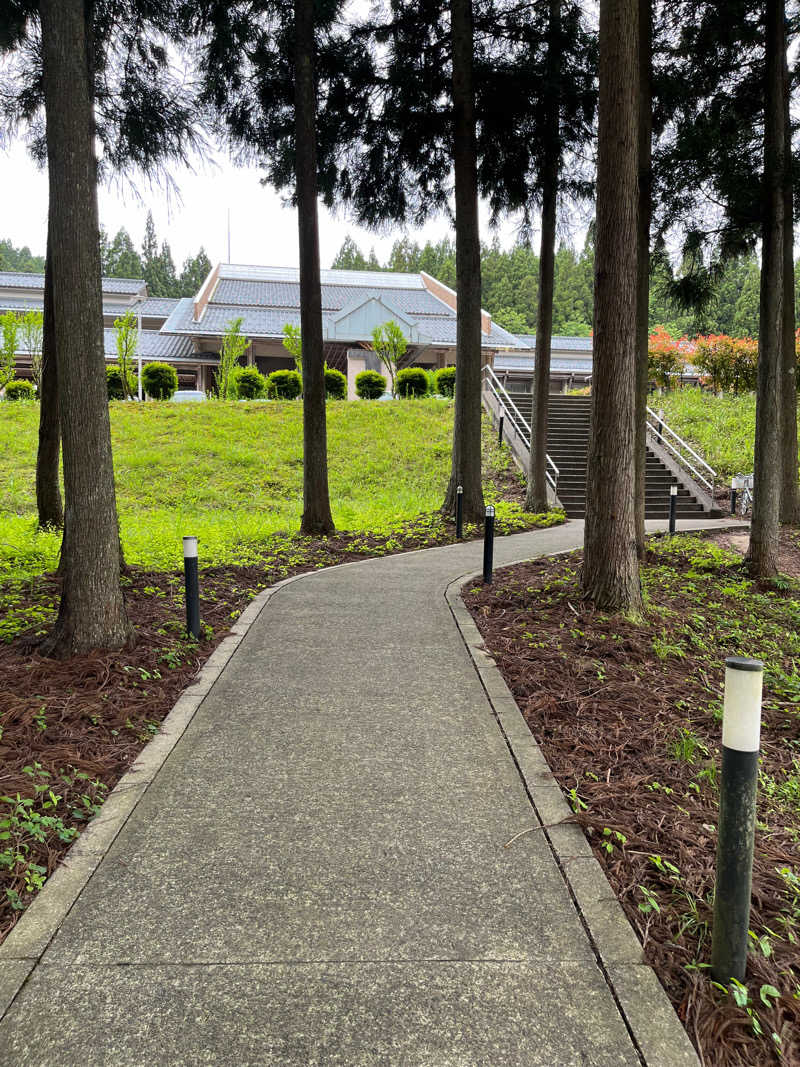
317,519
466,465
643,266
536,496
92,611
763,551
48,488
610,576
790,491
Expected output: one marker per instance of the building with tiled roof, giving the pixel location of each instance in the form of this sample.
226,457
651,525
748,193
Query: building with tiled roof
188,332
266,299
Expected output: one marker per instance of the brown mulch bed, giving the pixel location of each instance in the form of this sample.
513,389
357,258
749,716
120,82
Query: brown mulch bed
627,714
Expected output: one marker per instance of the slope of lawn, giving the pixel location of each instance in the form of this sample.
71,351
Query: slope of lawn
720,428
231,473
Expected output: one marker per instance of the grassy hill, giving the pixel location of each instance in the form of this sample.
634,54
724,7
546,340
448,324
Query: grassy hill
720,428
231,473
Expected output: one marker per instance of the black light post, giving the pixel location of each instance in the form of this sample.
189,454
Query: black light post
741,734
733,496
488,545
673,504
500,430
192,587
459,512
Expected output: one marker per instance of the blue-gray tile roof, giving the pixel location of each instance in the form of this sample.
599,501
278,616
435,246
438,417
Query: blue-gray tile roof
154,345
557,343
21,280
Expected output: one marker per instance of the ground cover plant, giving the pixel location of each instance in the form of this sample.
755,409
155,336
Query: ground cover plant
720,428
628,714
231,473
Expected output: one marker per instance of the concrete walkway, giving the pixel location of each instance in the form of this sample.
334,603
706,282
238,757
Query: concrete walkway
317,875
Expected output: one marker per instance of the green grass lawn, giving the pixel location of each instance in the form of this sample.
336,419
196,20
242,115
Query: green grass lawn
231,473
720,428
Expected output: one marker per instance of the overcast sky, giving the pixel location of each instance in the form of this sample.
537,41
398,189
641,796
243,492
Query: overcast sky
263,231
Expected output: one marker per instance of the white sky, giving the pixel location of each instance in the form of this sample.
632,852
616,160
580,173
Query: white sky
263,231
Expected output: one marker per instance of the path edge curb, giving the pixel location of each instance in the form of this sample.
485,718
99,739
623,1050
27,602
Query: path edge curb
646,1009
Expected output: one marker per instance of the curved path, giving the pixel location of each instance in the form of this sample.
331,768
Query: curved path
316,874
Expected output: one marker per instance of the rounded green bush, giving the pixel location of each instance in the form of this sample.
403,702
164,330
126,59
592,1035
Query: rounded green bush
114,383
335,384
159,380
18,389
370,385
412,381
446,381
250,384
284,384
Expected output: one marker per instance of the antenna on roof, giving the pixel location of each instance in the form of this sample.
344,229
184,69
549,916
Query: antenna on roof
229,235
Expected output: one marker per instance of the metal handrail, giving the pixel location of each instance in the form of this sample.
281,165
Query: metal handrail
660,428
505,400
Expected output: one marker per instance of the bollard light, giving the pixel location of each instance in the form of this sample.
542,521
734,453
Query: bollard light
741,736
488,545
673,505
500,431
459,512
192,587
733,496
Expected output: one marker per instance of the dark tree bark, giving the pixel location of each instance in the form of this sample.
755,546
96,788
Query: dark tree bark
466,468
536,496
643,265
790,491
92,611
48,488
317,519
610,576
763,551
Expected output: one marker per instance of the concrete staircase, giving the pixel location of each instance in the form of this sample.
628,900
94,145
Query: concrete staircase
567,445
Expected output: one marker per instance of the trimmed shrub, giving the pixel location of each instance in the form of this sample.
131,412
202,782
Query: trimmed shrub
284,385
335,384
412,381
370,385
159,380
114,383
446,381
18,389
250,384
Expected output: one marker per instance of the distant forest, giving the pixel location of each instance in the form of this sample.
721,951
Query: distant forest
121,259
510,287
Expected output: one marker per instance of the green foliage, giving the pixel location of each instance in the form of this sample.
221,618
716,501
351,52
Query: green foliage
159,380
284,385
125,337
730,363
9,334
370,385
31,327
335,384
250,384
390,346
19,389
114,384
20,259
446,381
666,358
293,343
234,345
412,381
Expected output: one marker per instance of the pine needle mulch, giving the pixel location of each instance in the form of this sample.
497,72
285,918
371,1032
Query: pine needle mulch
628,715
